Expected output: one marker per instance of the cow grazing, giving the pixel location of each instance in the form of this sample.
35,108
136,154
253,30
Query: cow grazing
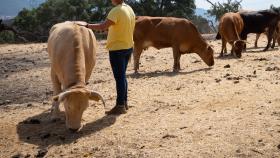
230,26
72,52
163,32
275,37
257,21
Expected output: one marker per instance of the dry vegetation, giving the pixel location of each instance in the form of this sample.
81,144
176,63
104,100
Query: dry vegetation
229,110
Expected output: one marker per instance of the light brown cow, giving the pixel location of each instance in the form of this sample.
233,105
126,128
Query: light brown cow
72,51
230,27
163,32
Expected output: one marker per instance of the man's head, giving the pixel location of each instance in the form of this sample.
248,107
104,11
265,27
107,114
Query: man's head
117,2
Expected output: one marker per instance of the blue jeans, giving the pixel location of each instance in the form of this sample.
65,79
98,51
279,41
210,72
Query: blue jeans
119,60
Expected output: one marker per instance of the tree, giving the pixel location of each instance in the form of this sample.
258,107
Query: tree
219,9
176,8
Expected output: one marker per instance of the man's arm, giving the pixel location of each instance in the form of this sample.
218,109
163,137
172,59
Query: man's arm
102,26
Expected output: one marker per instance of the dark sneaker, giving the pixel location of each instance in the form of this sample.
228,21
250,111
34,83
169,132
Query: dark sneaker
117,110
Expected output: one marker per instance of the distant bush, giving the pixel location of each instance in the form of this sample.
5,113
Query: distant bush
7,37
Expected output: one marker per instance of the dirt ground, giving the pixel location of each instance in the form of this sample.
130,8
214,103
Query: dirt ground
229,110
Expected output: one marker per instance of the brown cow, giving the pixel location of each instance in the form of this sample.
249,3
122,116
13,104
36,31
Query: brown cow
163,32
72,51
230,26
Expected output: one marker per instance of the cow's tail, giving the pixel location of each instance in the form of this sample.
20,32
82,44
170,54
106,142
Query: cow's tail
218,36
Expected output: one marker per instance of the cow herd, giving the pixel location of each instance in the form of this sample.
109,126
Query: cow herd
72,51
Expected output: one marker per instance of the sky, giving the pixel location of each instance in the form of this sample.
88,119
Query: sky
246,4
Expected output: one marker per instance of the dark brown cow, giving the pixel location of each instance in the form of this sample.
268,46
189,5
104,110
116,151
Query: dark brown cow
231,25
163,32
258,21
275,37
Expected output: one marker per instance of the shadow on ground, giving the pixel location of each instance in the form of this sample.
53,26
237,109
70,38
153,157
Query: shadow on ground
40,131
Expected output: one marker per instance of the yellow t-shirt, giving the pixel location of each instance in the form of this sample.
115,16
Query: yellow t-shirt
120,35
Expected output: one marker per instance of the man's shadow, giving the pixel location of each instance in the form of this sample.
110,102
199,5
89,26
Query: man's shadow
41,131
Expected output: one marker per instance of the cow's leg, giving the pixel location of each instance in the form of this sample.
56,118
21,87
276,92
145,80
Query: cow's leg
176,56
56,90
224,47
136,57
244,37
257,38
270,35
274,39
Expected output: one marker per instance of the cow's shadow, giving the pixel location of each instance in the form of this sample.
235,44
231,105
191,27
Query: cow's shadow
165,73
259,49
41,131
226,56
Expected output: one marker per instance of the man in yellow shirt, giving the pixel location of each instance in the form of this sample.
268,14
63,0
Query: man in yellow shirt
121,22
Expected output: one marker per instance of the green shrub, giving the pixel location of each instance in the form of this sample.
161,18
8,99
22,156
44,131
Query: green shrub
7,37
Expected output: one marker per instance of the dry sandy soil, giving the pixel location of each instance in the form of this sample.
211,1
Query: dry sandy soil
229,110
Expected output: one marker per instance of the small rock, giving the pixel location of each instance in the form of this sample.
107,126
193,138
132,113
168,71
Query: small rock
278,146
227,66
218,80
183,127
235,82
272,68
260,59
260,140
254,72
238,151
169,136
29,105
41,153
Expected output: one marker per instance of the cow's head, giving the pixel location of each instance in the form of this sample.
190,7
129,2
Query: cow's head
76,101
238,47
207,55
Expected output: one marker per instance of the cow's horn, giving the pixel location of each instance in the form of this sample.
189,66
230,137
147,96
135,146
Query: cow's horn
96,96
61,96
